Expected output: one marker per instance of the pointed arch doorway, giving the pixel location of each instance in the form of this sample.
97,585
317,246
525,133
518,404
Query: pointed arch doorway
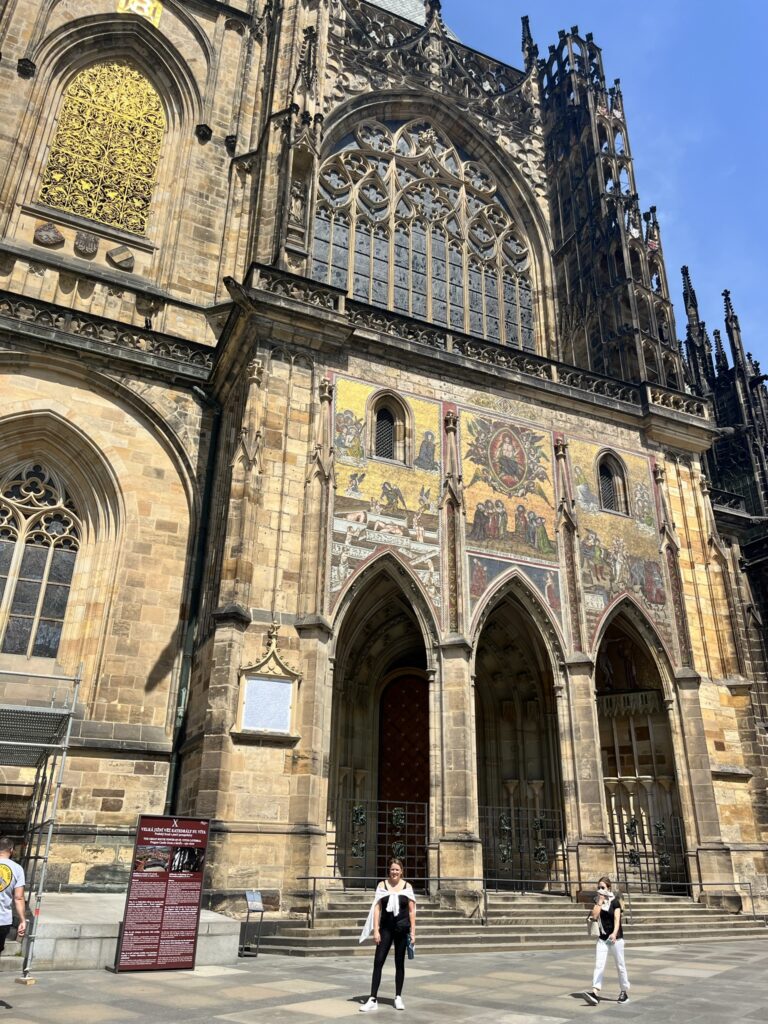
636,747
520,788
379,771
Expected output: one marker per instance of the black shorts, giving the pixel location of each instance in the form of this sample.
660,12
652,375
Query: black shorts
4,929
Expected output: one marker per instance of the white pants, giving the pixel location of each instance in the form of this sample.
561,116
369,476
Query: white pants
601,955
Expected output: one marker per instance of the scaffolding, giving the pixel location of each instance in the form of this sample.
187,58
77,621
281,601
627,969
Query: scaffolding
36,715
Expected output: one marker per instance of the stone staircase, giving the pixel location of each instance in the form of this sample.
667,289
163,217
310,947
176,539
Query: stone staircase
530,921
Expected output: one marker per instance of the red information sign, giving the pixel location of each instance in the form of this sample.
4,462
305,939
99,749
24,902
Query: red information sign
162,909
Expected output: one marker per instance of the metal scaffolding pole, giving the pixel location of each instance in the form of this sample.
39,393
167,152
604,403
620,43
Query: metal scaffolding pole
36,733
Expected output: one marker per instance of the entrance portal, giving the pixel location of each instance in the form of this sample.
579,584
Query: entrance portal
378,801
518,755
638,766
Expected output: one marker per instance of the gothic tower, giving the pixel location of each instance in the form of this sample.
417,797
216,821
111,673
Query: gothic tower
615,313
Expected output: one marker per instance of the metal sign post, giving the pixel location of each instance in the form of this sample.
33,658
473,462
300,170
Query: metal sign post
255,905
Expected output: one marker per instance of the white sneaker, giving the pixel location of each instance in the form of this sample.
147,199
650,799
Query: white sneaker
368,1005
399,1004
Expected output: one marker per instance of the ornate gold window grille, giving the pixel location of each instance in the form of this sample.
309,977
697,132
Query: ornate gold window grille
406,221
39,540
104,155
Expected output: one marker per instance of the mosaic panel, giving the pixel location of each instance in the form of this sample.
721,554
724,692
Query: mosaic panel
484,571
619,554
509,493
382,504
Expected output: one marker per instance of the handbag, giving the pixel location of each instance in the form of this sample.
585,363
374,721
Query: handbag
593,927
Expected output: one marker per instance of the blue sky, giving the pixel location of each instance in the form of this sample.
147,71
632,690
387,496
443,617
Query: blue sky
694,86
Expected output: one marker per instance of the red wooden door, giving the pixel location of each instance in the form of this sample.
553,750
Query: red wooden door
404,774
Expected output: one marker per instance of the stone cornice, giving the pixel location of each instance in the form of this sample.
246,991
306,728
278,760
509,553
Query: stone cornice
37,322
665,415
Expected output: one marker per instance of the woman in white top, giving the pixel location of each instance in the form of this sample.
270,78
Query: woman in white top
392,919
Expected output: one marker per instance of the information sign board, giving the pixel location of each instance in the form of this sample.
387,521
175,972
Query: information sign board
162,908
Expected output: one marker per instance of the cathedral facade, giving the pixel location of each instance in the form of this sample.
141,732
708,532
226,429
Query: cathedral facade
350,458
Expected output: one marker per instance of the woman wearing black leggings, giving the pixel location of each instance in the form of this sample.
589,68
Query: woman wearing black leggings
392,919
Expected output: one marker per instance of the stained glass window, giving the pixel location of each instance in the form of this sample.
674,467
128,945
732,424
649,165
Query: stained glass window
105,150
39,540
429,234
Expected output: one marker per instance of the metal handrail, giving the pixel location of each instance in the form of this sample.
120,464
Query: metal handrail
722,884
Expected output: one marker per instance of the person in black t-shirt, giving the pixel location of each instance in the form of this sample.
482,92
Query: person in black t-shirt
391,921
607,910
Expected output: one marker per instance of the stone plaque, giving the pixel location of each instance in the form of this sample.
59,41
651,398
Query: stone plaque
86,244
121,257
49,235
267,704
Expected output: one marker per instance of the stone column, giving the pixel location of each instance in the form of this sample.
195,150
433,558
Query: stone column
460,850
590,849
309,774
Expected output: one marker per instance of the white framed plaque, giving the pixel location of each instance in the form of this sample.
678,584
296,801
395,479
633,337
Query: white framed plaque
267,700
267,704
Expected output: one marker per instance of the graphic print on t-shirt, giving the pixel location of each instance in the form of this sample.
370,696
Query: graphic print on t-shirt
6,876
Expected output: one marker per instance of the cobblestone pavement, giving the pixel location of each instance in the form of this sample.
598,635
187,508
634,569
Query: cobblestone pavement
708,983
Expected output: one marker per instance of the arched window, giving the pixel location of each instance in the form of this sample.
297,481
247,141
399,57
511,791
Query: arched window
613,488
39,540
105,151
406,222
388,433
385,434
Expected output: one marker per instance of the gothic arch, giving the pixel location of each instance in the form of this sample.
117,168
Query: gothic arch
61,56
44,433
387,564
518,192
47,438
514,584
101,36
644,632
151,418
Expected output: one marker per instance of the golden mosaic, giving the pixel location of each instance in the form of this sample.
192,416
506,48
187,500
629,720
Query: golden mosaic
104,154
380,503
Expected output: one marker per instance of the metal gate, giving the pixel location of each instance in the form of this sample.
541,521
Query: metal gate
369,832
524,846
650,853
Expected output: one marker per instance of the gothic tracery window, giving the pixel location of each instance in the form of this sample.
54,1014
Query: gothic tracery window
39,539
105,151
406,221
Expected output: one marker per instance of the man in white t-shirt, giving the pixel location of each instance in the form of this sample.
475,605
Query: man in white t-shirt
11,892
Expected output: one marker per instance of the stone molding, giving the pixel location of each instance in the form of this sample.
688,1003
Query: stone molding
64,324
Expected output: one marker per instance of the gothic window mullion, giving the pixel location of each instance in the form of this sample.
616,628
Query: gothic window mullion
10,578
38,574
40,600
23,613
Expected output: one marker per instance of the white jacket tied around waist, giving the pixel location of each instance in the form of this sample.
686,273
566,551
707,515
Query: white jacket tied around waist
393,904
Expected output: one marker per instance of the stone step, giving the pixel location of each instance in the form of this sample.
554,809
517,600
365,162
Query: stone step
439,946
469,928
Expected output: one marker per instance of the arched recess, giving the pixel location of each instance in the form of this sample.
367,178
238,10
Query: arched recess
516,191
95,473
47,438
638,748
60,57
382,766
518,663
